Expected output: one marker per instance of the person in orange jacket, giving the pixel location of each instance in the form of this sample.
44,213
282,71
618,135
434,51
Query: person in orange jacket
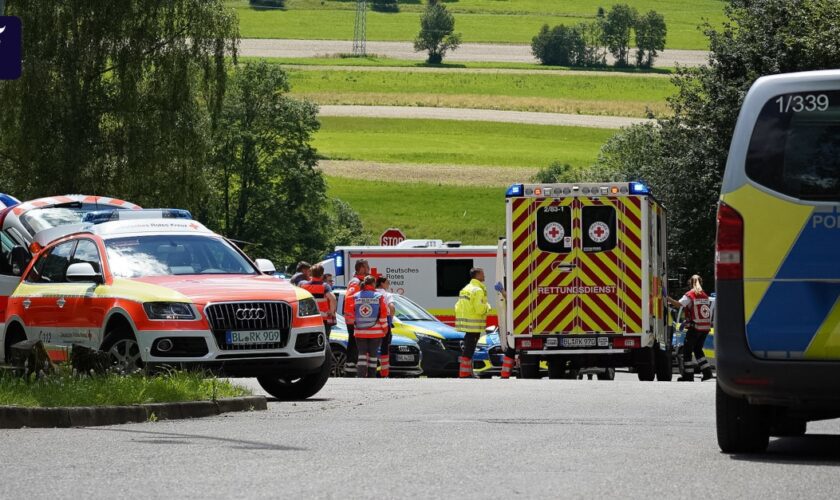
383,286
323,296
370,317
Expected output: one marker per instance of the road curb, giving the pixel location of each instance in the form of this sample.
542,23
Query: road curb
15,417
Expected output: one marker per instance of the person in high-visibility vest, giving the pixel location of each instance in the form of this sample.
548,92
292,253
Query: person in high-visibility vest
353,286
471,318
383,286
370,317
698,324
323,296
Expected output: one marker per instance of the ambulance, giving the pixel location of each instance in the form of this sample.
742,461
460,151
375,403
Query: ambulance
584,272
778,263
429,272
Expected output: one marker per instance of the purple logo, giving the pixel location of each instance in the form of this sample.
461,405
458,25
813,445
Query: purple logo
10,42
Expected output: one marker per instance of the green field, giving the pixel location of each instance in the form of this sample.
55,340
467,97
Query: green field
467,214
512,21
569,93
457,142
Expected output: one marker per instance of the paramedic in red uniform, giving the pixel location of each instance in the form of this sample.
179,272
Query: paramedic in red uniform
353,286
323,296
370,317
698,323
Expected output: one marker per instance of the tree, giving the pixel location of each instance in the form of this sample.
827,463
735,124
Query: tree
115,97
618,27
688,159
264,168
650,38
437,32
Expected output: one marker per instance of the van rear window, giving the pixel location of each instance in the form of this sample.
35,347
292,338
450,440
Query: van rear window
795,146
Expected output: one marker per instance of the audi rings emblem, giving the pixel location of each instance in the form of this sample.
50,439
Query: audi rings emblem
245,314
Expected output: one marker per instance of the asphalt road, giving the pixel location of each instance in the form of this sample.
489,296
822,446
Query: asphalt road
482,115
468,52
430,439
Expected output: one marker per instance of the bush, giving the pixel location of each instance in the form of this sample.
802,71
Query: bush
558,46
437,32
385,6
557,173
267,4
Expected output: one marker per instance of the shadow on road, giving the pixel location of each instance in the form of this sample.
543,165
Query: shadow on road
167,438
811,449
303,401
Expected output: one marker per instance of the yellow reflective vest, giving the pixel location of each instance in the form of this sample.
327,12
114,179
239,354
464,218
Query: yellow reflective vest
472,308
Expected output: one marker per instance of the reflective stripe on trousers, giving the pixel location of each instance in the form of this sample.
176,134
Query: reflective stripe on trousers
465,369
507,366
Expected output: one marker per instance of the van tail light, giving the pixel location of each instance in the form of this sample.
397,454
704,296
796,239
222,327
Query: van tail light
531,344
627,343
729,248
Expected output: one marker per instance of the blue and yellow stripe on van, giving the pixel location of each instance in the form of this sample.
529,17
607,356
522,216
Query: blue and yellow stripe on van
791,275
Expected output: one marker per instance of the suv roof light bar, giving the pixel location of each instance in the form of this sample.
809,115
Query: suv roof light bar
101,216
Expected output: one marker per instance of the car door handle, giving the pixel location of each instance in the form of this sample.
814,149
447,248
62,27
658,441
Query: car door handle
60,303
27,303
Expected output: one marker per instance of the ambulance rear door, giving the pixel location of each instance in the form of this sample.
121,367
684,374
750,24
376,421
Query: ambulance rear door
575,263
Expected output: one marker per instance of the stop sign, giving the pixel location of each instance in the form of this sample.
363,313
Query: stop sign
391,237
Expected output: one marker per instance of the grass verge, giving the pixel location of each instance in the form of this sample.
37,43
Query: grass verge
114,390
472,215
378,61
572,93
457,142
477,20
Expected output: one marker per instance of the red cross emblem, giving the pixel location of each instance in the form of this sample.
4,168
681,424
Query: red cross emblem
553,232
599,232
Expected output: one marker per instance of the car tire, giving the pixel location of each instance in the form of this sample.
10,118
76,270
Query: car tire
121,345
741,427
664,369
339,361
295,389
529,367
14,334
645,364
608,374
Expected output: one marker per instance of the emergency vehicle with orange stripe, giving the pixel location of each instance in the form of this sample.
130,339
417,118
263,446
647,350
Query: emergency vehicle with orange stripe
20,222
585,268
157,288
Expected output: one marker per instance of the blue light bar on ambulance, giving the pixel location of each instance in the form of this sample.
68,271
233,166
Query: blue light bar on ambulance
100,216
515,190
639,188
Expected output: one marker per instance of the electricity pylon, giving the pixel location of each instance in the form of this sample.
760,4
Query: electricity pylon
359,33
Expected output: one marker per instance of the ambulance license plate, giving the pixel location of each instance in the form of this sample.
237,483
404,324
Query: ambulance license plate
580,342
405,357
252,337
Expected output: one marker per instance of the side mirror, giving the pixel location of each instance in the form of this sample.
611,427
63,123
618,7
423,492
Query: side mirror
266,266
83,272
19,259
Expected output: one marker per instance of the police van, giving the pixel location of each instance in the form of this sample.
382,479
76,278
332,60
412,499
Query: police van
429,272
585,273
777,263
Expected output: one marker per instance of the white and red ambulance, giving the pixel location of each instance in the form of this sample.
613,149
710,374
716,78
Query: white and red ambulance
429,272
585,268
